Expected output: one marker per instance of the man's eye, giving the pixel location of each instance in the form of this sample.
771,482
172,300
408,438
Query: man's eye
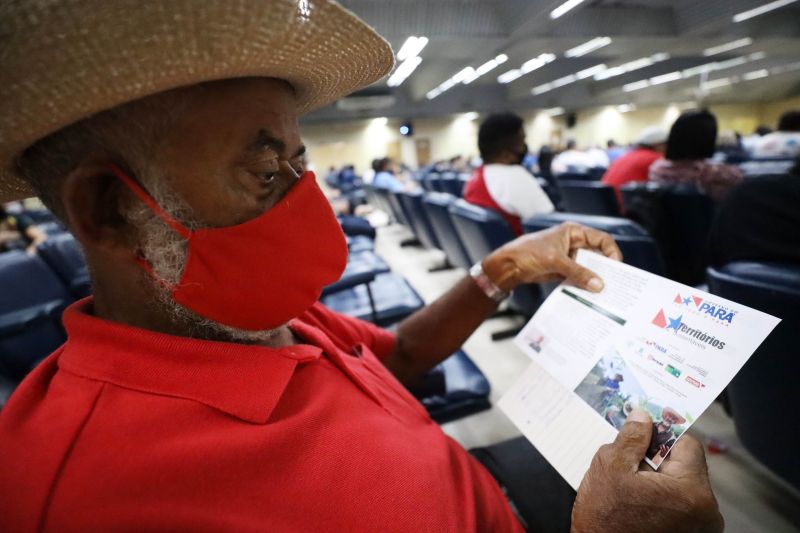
267,177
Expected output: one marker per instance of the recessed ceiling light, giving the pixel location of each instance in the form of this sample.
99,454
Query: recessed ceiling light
727,47
569,5
588,46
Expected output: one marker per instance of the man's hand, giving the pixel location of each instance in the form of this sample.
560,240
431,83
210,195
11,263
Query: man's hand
617,495
549,255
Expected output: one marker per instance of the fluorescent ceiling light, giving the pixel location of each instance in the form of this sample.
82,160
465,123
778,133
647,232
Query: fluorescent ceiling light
403,71
760,10
630,66
635,86
756,74
665,78
527,67
589,72
466,76
554,111
486,67
540,89
727,47
716,84
789,67
624,108
587,47
472,115
412,47
564,8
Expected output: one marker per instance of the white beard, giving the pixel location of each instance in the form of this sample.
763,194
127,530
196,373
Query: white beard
166,251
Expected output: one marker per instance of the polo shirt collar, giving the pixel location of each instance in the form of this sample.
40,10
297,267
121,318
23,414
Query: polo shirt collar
241,380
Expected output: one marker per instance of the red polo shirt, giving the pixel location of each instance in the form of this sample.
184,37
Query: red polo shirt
129,430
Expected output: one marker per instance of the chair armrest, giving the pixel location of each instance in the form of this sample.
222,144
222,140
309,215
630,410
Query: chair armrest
19,320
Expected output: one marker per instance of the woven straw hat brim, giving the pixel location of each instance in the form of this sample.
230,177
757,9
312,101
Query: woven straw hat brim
64,60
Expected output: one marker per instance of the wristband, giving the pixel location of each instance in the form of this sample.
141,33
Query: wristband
486,285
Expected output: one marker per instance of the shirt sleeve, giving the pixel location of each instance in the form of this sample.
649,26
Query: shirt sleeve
516,191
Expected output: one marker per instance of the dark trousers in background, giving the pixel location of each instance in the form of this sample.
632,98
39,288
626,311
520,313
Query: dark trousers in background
541,496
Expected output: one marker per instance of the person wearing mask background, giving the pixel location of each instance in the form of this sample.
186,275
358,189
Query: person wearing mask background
19,229
785,142
691,143
635,165
502,183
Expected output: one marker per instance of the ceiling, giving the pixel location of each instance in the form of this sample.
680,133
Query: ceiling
466,33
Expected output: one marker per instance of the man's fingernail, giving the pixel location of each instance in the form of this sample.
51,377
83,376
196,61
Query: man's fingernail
639,415
595,284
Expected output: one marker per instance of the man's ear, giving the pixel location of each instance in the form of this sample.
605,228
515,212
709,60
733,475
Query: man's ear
93,198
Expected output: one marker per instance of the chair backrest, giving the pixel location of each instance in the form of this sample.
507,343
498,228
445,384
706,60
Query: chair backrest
768,380
437,206
381,200
400,212
30,312
637,247
51,228
434,182
679,218
63,254
589,197
575,176
450,183
412,202
613,225
481,230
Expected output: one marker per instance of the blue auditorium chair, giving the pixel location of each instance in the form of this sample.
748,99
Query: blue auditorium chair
589,197
453,389
761,395
437,206
30,313
411,201
63,255
434,182
613,225
385,205
679,219
574,176
482,231
51,228
637,247
359,243
452,184
385,300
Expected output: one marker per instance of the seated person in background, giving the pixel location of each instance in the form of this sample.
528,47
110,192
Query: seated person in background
691,143
749,142
571,160
597,157
387,176
759,221
614,151
635,165
502,183
215,394
18,231
785,142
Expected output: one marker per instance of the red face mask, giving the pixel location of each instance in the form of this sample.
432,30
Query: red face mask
260,274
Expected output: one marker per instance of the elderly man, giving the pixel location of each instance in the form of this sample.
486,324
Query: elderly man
202,388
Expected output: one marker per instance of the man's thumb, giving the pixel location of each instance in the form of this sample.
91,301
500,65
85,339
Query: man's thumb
582,277
633,439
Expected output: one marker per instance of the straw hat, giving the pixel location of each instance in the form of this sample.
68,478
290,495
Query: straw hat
64,60
669,411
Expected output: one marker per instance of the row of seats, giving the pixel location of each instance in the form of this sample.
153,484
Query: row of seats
467,233
449,182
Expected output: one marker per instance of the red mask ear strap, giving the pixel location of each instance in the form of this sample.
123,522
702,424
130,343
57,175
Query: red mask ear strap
148,200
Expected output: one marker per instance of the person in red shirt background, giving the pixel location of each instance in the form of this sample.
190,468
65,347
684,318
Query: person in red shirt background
635,165
202,388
